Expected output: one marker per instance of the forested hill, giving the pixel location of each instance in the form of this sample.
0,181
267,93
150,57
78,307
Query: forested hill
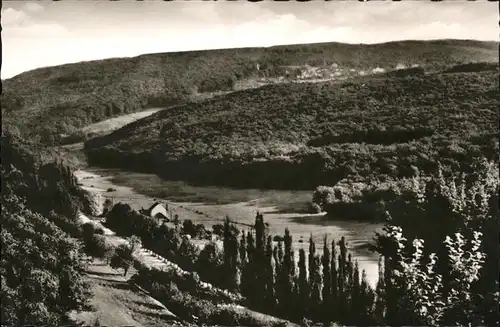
51,101
309,134
40,269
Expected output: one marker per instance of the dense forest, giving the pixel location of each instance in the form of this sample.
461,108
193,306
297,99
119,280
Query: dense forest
49,102
41,267
305,135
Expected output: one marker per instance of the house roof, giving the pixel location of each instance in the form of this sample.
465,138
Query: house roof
153,206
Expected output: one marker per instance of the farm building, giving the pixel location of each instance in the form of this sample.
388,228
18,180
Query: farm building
158,211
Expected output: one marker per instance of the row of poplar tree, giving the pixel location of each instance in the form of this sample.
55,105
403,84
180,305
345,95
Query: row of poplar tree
322,288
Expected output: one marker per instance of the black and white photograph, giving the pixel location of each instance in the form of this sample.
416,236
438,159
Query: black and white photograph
250,163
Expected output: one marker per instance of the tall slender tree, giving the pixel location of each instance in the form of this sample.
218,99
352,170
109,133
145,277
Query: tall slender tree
278,271
243,250
367,299
270,298
288,272
235,273
226,243
327,281
315,309
260,257
342,280
260,235
312,253
275,258
280,252
334,283
230,246
356,310
303,284
379,307
248,275
349,284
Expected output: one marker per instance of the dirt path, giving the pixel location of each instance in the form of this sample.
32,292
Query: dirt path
117,303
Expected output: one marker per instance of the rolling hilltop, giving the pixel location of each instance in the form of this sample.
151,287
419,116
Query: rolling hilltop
309,134
54,101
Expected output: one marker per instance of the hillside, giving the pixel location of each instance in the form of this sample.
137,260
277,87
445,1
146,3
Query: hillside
40,270
50,101
309,134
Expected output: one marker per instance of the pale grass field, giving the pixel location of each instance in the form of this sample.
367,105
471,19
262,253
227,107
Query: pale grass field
112,124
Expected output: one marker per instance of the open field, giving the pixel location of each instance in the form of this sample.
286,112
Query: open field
109,125
73,152
180,191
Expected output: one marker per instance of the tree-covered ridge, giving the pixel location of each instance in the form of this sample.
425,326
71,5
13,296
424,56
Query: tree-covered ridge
40,266
317,133
63,98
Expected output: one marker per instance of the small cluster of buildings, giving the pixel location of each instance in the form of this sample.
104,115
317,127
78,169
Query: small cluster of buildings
332,71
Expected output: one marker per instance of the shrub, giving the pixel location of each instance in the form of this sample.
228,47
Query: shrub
122,258
278,238
455,286
99,231
209,264
189,228
88,230
218,229
97,246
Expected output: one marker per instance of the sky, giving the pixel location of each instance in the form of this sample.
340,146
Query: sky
46,33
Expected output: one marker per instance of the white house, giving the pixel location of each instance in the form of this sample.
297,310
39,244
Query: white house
158,211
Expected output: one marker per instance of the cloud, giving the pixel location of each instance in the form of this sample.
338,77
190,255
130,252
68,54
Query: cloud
18,23
41,30
12,17
33,7
60,32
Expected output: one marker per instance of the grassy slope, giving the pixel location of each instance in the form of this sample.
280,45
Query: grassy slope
63,98
302,135
109,125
